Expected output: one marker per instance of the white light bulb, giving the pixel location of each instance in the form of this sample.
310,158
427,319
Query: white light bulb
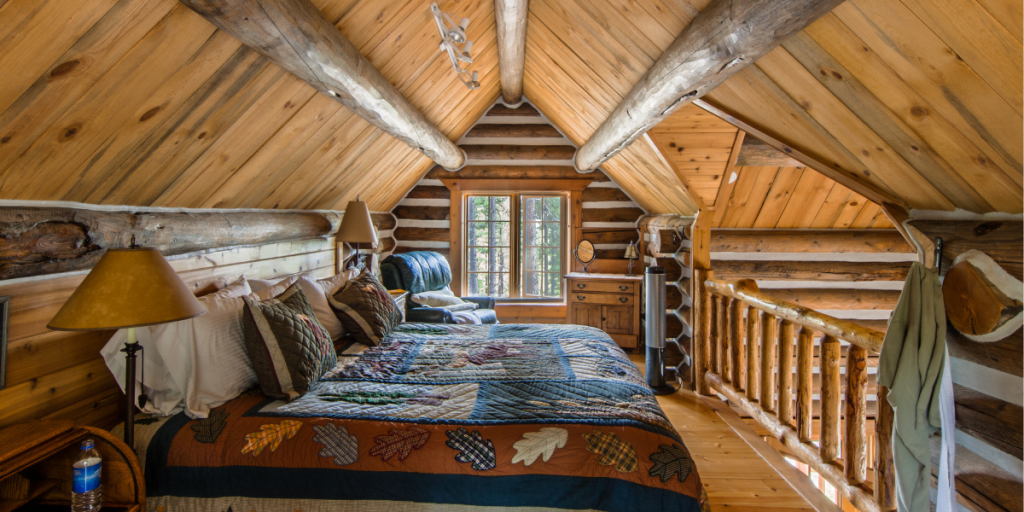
469,46
464,23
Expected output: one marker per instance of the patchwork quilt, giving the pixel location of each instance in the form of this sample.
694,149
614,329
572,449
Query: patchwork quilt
437,417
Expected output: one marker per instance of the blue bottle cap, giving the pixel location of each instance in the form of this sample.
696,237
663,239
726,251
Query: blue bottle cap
88,443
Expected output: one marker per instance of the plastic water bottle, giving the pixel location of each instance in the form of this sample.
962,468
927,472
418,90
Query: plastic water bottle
86,493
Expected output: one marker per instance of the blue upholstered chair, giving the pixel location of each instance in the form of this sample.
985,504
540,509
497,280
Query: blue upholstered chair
424,271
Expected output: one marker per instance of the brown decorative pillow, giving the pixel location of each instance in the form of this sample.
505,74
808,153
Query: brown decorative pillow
366,309
290,350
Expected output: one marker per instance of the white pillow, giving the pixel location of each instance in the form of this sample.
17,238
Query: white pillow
465,306
317,297
332,284
238,288
262,284
220,366
167,358
275,289
437,299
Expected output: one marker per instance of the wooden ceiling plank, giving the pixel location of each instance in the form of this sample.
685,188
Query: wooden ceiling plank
762,99
881,221
758,154
75,73
728,181
807,200
873,77
629,25
82,128
866,216
604,35
1008,14
780,194
36,34
703,56
340,184
325,56
510,19
980,41
673,15
104,168
912,51
701,204
851,209
743,209
832,208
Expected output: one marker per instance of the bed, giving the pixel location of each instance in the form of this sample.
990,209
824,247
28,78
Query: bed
436,417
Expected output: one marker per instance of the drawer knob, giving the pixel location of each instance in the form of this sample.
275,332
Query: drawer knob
580,285
623,287
623,299
581,297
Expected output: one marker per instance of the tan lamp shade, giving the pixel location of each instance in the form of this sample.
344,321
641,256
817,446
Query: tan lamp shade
356,226
631,252
127,288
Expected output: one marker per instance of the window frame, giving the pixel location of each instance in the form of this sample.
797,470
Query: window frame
516,239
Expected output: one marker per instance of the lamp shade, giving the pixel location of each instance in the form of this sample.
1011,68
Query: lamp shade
356,226
127,288
631,252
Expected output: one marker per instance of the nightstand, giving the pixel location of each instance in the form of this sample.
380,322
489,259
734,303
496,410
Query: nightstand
35,467
610,302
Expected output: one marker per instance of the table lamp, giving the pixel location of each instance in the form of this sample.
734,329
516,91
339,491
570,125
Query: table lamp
631,254
128,288
356,227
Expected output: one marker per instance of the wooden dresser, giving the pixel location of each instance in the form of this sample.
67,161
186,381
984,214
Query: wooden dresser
610,302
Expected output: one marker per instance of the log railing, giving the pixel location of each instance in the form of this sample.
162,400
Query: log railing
744,351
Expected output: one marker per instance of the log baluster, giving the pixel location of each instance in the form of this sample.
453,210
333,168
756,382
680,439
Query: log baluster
703,331
736,344
804,380
767,387
731,311
855,449
785,365
721,334
752,352
885,472
831,352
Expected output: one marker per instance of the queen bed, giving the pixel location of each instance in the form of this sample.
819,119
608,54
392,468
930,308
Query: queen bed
436,417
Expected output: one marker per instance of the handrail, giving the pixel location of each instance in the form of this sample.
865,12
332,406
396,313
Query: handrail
747,291
740,356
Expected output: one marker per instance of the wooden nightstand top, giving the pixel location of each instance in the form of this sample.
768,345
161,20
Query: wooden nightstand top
581,275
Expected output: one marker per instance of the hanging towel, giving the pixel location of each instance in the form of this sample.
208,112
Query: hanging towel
911,365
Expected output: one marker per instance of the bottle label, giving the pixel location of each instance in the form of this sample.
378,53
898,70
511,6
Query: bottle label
86,479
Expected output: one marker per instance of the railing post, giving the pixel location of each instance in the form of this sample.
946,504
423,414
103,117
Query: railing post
701,330
885,472
785,372
736,343
752,351
855,449
804,381
721,334
731,311
831,352
767,387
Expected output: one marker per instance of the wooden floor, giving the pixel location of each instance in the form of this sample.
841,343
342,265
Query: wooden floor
735,476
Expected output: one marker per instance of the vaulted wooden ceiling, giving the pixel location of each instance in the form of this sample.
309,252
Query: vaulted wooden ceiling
143,102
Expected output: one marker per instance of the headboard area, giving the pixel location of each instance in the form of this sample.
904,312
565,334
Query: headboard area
46,252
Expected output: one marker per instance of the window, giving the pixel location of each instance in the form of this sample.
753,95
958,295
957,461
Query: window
515,245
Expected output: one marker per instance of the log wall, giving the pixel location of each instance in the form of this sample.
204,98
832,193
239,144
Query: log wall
987,379
513,144
60,375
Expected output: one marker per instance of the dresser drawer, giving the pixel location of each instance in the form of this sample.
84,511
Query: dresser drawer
601,298
601,286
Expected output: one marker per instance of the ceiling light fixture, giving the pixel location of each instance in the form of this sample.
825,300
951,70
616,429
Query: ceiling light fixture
453,41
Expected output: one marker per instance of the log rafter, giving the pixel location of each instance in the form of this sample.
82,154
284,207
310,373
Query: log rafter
724,38
295,35
510,18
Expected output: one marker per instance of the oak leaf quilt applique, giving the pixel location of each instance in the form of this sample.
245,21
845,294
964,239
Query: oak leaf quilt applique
270,435
399,441
671,459
209,428
472,447
338,443
613,451
536,444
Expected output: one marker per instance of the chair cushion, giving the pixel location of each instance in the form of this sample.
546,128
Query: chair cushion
416,271
486,316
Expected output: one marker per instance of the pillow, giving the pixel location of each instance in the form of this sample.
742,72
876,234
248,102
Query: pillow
221,369
317,297
288,347
275,289
332,284
262,284
465,306
437,299
238,288
366,309
167,363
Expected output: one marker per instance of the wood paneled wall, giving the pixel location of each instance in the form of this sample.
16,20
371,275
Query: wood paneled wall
515,144
987,379
60,375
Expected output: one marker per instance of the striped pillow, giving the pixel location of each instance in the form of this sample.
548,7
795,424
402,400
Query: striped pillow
290,350
366,309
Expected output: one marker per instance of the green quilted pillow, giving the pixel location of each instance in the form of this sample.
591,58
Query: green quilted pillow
290,350
366,309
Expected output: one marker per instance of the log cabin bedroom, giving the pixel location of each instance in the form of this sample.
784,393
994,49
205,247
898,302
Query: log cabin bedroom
536,255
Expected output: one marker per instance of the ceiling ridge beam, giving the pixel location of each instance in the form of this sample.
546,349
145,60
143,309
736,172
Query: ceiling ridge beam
724,38
510,18
295,35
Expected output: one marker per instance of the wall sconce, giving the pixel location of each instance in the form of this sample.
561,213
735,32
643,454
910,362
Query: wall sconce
453,41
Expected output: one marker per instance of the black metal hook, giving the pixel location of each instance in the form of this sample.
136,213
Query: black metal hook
938,254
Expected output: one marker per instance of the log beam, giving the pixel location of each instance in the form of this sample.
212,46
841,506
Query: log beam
40,241
295,35
510,17
755,153
724,38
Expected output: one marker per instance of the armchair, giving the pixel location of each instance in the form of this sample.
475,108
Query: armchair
422,271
